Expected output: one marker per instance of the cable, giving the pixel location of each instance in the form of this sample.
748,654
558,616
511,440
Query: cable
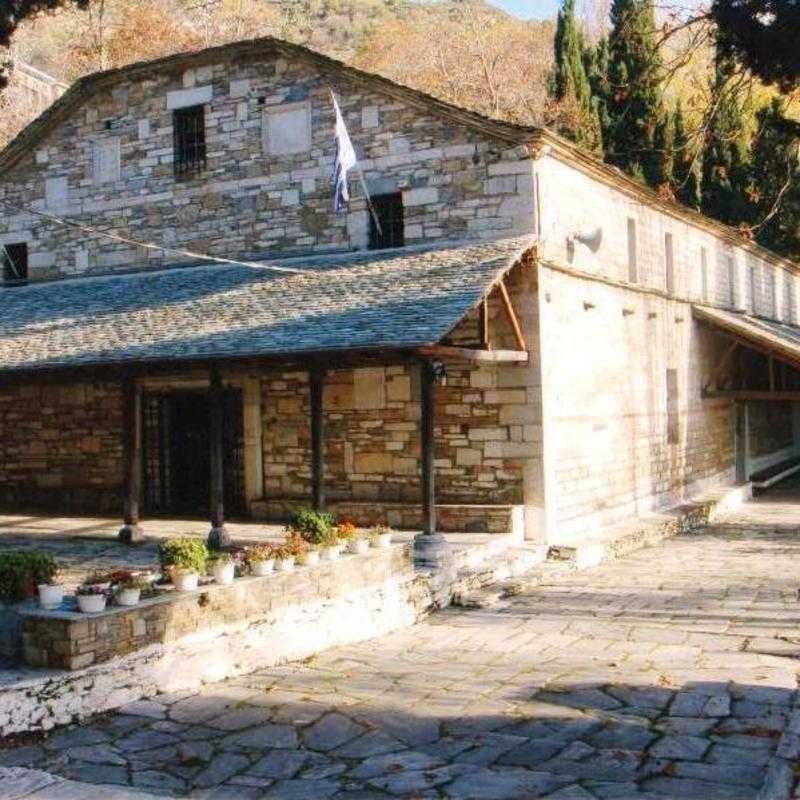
148,245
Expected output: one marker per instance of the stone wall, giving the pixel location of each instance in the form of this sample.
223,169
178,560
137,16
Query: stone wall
61,446
256,623
266,189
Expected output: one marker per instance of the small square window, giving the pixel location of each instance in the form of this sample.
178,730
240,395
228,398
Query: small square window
633,268
15,262
389,211
189,133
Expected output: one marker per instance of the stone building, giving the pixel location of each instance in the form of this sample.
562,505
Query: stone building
525,340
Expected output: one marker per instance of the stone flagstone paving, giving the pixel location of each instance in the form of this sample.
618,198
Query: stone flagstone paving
669,674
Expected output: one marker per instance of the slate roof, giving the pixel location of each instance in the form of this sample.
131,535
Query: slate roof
398,299
776,337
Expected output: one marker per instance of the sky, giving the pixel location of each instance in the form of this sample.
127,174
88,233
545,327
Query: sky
529,9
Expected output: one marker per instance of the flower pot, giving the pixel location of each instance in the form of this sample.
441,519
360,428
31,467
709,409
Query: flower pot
262,568
331,553
50,596
284,564
383,540
91,603
310,559
185,581
358,546
223,573
128,597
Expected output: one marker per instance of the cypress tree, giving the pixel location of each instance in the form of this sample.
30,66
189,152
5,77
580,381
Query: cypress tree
663,151
595,62
685,170
569,83
725,159
634,76
776,193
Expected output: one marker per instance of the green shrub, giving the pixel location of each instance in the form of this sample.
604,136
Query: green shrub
187,553
22,571
314,526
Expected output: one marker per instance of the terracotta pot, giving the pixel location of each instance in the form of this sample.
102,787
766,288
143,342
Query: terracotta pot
92,603
262,568
284,564
128,597
185,581
50,595
224,573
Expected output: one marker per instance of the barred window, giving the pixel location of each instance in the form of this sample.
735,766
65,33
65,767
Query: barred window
14,258
389,211
189,132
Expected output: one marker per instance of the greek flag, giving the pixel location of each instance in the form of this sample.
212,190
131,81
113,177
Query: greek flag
344,161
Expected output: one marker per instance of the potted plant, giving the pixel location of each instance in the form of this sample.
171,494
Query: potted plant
22,571
99,580
129,590
185,579
181,558
312,525
358,544
309,558
91,598
381,536
293,546
51,592
223,567
260,559
330,546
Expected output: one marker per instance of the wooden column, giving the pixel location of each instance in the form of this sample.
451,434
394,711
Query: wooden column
218,536
315,384
132,456
427,421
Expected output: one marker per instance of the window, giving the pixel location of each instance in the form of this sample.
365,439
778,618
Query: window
753,289
788,298
704,274
633,269
731,281
673,424
15,262
669,265
389,210
189,133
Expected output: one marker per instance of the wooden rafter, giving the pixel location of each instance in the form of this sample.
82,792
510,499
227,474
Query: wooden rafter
512,315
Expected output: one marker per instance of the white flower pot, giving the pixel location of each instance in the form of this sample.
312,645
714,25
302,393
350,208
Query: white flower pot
91,603
185,581
128,597
224,573
311,558
285,564
50,596
262,568
331,553
383,540
358,546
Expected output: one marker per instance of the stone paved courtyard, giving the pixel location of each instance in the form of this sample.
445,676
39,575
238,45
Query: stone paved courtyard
669,674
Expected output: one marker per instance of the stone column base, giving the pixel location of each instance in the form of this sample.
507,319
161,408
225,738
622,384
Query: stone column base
218,537
130,533
432,551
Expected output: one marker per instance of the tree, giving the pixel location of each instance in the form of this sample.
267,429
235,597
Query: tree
762,35
685,169
595,60
663,152
634,76
776,180
569,83
725,160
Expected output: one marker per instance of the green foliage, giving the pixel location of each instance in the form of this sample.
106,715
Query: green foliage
776,180
186,552
663,150
726,157
313,526
685,166
634,85
22,571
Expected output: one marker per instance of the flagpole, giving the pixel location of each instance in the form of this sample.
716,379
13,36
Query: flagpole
362,179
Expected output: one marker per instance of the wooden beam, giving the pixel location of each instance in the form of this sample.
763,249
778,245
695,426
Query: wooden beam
315,385
512,315
427,461
132,454
218,536
752,394
483,324
468,354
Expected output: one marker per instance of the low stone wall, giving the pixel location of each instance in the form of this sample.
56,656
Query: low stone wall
214,633
450,518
